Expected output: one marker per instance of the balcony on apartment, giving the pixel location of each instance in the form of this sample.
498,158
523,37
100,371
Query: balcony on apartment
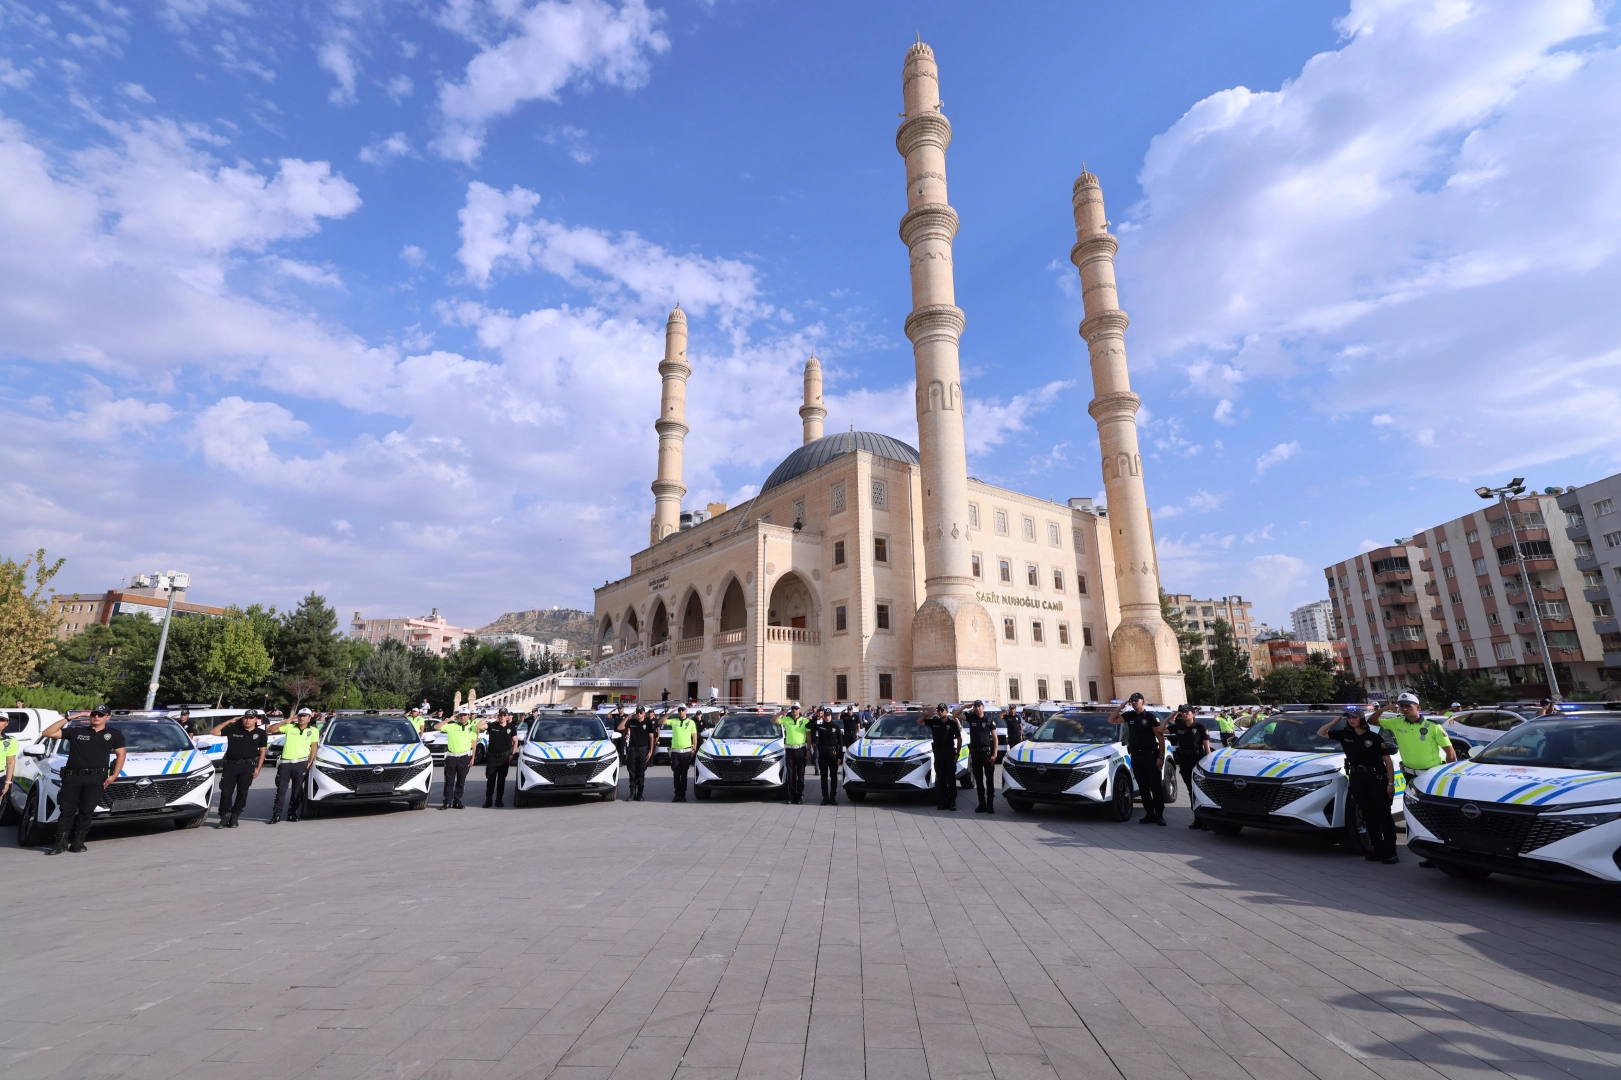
1388,597
1391,577
1403,619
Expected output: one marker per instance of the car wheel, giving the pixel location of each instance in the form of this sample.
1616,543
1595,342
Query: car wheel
610,796
1021,806
309,810
193,822
1170,783
1121,806
703,793
855,796
1354,836
30,833
8,812
1461,872
417,804
1225,828
521,799
966,781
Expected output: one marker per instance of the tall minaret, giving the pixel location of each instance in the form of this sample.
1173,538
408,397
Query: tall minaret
1144,652
672,428
953,642
813,412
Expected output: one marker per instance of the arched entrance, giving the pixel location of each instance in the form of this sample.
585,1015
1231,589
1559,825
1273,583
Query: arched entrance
659,626
791,604
692,619
734,612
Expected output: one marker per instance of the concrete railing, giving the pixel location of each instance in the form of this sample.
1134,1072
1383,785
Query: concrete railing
689,645
730,637
793,635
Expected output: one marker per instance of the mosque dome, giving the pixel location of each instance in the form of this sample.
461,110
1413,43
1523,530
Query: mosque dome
815,454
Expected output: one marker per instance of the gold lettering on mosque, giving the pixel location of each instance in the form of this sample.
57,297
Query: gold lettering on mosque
1019,601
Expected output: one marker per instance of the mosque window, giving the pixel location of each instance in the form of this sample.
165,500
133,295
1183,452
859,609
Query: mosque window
1038,635
1041,689
766,520
1030,529
880,549
1058,580
799,511
973,515
838,497
1032,575
1001,522
838,553
1069,689
1013,689
841,618
886,686
791,686
840,693
1007,570
880,495
1086,637
979,571
1080,542
1010,629
1091,690
883,616
1063,633
1054,537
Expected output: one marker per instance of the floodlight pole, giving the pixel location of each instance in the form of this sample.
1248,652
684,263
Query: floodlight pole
1516,487
169,579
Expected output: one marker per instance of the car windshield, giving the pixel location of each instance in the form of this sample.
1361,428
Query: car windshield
1491,721
568,729
369,731
748,726
906,725
151,736
1591,742
1078,728
1294,733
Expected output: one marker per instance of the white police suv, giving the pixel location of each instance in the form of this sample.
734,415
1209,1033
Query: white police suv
567,754
743,752
369,757
896,754
1542,801
1074,758
165,778
1280,774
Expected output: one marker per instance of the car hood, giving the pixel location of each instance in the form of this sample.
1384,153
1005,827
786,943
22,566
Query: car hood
1236,762
742,747
1057,753
165,763
1520,785
569,751
381,754
896,748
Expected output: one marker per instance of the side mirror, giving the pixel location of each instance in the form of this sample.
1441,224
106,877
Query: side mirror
34,750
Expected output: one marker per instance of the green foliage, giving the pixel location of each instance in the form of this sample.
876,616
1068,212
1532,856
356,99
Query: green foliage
309,652
237,661
1438,686
28,615
47,697
388,672
1229,671
1196,675
1311,684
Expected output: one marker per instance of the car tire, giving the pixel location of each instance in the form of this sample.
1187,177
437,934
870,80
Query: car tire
1122,802
966,782
1170,782
1354,836
521,799
30,833
610,796
417,804
8,812
1020,806
855,796
309,809
1225,828
1461,872
193,822
702,793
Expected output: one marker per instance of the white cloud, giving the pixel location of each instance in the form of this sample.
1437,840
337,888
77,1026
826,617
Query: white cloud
1434,202
1276,456
334,55
413,255
1199,502
1368,545
532,51
1383,420
136,92
108,419
302,271
386,150
987,422
13,76
399,88
1224,411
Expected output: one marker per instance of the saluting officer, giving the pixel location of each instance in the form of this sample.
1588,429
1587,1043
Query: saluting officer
245,746
641,737
828,735
1423,743
499,754
1224,724
793,742
91,748
1015,726
1372,780
620,726
683,744
1145,742
852,725
8,758
299,740
982,747
947,738
1191,742
461,733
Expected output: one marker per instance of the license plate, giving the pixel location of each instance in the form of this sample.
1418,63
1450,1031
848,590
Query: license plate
383,788
1480,845
150,802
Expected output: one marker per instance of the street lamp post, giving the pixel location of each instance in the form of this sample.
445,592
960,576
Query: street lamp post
1516,486
170,580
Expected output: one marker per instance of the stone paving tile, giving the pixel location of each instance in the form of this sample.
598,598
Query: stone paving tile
749,940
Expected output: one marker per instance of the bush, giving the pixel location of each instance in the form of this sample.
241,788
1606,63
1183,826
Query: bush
47,697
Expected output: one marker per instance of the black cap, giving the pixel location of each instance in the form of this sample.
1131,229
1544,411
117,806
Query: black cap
1547,701
1136,697
942,707
1184,708
981,704
101,710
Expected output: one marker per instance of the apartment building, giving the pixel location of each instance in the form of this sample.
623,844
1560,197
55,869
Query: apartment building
1313,622
1201,615
429,633
1593,526
1455,593
1274,653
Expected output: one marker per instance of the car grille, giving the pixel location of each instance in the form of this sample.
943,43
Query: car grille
373,783
1506,831
124,796
880,772
1044,779
566,772
737,770
1257,798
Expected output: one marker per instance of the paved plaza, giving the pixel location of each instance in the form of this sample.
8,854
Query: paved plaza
740,938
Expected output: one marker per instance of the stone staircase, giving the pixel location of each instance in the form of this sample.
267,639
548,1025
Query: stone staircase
524,696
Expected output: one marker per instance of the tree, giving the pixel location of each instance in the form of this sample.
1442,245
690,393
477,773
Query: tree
1311,683
298,688
1233,683
1348,690
387,679
237,661
1195,672
28,616
308,649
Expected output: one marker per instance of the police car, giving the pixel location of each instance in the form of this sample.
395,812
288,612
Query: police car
369,757
1542,801
567,754
743,752
1280,774
896,754
165,778
1074,758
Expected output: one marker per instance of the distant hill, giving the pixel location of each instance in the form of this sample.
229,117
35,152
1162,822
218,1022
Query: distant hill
545,624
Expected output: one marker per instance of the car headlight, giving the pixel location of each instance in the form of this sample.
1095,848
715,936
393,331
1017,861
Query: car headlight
1311,785
1090,770
205,770
1586,820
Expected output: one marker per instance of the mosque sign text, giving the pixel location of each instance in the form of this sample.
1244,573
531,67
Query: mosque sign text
1018,601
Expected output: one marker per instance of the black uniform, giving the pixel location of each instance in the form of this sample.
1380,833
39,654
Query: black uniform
639,735
827,735
242,750
1189,743
1369,784
497,760
1143,745
947,741
1015,728
84,778
982,758
852,726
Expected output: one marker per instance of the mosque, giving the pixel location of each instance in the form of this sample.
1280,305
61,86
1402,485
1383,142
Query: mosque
869,571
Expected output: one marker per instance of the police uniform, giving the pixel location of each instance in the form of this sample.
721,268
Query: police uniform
683,744
947,738
83,780
293,770
982,758
640,736
461,733
1142,742
1366,764
1224,724
852,726
8,756
1015,727
1189,738
1422,745
503,739
244,753
828,735
794,730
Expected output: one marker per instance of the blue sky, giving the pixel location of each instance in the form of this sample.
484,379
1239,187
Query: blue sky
367,297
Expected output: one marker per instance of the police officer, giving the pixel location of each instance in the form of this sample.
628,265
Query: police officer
1224,724
1145,742
1190,741
946,734
8,758
619,727
982,747
299,740
852,725
1423,743
499,754
414,716
1014,724
1548,708
1372,780
794,729
245,746
461,733
85,775
683,744
827,734
641,738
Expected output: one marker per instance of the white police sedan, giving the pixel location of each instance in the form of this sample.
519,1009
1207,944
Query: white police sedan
165,778
567,755
1075,758
368,757
744,752
897,755
1280,774
1542,801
